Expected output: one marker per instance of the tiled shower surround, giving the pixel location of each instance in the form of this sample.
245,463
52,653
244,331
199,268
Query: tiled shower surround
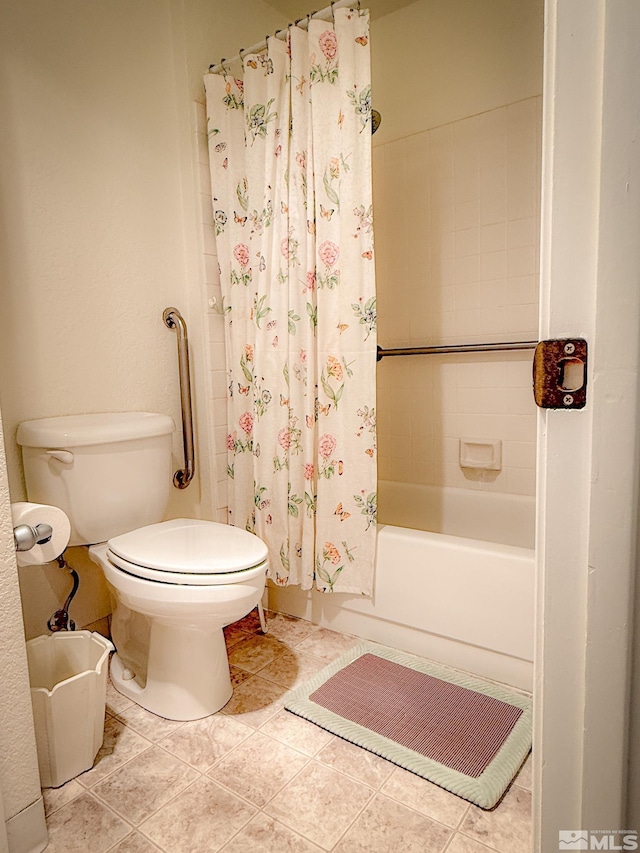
254,777
457,212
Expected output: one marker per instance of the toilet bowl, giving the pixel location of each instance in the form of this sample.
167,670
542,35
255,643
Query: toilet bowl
176,583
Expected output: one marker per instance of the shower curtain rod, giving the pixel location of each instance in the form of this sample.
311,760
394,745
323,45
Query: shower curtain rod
456,348
323,15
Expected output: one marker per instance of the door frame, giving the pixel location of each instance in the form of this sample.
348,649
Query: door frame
587,465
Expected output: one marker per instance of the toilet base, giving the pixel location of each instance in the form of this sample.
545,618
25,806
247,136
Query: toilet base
187,677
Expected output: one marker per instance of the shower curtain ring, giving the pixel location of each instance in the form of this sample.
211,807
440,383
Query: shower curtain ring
333,13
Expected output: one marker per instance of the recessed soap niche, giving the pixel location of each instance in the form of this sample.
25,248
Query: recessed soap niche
484,454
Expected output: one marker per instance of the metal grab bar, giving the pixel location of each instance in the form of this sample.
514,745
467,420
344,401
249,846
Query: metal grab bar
173,319
453,348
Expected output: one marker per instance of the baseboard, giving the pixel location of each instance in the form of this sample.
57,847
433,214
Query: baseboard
27,831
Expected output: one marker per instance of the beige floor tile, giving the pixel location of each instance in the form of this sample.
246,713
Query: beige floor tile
120,745
507,828
250,623
199,820
462,844
256,652
203,742
386,827
233,635
82,825
524,777
264,835
135,843
425,797
356,762
116,702
139,788
296,732
292,668
55,798
258,768
255,701
327,644
319,803
147,724
289,629
238,675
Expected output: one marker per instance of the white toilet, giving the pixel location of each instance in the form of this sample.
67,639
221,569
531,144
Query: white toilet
176,583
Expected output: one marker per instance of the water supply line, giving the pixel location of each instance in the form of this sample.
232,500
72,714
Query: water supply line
173,319
60,620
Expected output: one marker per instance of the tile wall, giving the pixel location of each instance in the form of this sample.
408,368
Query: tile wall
457,213
457,242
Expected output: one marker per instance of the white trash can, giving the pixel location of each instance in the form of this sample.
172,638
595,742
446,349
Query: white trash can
68,676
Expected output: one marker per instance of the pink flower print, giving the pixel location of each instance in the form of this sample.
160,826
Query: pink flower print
334,167
301,159
239,83
329,253
326,445
334,368
328,44
246,422
231,441
241,254
331,553
284,438
248,352
303,356
308,471
284,248
311,280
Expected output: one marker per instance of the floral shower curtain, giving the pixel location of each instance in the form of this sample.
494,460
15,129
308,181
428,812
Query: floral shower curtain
290,153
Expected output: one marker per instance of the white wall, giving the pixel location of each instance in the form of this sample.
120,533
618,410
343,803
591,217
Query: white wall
437,61
19,779
101,226
456,176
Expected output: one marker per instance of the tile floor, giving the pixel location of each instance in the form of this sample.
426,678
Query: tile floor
256,778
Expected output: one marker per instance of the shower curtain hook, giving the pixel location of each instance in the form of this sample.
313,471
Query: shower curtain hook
333,13
224,70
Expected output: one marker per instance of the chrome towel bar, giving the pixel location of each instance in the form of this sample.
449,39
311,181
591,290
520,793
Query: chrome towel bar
173,319
455,348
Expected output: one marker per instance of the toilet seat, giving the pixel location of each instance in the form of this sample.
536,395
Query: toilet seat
189,552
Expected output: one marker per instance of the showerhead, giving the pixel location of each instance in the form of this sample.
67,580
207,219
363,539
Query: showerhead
376,118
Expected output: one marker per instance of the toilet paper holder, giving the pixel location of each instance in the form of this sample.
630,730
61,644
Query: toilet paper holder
26,537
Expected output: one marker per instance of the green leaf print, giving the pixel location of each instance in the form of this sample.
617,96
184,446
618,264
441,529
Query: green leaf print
332,195
362,105
242,192
259,309
368,507
286,564
367,314
293,319
259,117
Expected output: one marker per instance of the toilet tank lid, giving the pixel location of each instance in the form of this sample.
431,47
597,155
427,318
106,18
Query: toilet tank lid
85,430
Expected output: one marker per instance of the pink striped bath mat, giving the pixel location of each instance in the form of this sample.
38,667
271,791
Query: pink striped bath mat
465,734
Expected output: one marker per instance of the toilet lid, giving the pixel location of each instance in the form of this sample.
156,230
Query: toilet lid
190,546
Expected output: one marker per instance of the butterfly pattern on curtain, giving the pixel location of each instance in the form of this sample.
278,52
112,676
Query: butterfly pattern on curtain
290,154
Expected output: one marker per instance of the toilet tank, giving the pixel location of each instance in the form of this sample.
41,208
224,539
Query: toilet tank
111,473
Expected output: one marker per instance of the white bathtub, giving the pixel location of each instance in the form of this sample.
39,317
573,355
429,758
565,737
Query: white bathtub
453,598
